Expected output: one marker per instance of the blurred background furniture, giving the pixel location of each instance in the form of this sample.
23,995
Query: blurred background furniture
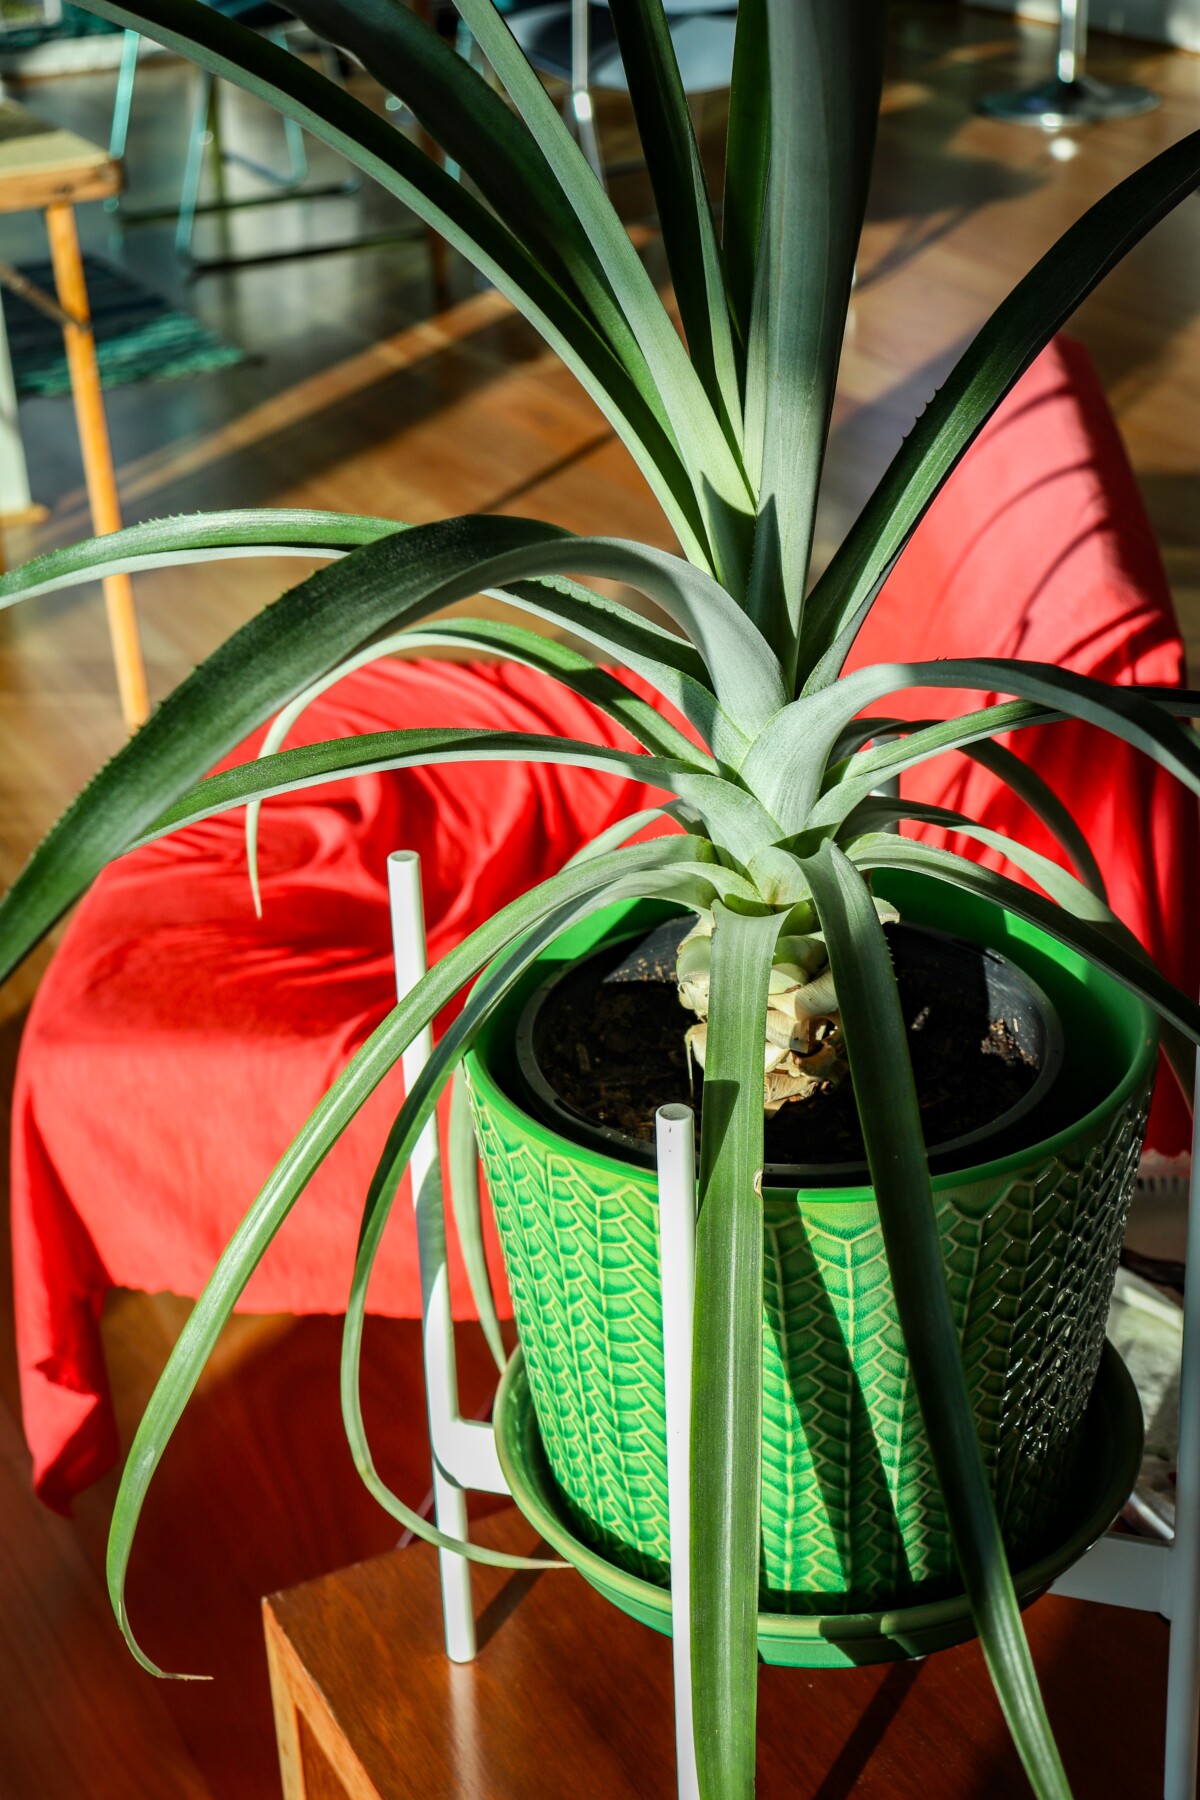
206,142
52,171
1071,96
16,501
575,41
204,130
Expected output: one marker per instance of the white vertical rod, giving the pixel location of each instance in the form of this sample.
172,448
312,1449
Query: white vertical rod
14,477
676,1144
1072,39
581,92
1183,1569
437,1324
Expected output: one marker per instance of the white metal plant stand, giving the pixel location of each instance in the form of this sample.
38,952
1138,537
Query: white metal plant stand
1118,1571
464,1451
1165,1578
1071,97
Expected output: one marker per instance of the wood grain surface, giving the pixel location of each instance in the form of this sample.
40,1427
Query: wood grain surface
568,1696
41,164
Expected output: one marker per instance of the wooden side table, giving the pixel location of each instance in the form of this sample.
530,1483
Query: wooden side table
51,171
569,1697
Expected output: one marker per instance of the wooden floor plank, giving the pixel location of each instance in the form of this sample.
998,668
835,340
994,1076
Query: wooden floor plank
78,1716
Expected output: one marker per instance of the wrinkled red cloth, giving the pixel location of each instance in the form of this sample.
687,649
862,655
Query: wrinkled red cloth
1039,547
177,1043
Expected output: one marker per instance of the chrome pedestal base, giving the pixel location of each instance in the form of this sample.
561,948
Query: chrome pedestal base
1083,101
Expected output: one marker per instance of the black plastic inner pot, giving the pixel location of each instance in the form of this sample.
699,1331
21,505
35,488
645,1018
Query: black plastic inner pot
994,988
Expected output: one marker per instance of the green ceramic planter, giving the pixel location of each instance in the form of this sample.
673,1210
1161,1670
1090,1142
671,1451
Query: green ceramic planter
1111,1454
851,1516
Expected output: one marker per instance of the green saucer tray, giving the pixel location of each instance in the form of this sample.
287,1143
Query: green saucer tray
1110,1459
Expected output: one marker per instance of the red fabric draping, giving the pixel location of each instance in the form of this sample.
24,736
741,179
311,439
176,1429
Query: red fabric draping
177,1043
1039,547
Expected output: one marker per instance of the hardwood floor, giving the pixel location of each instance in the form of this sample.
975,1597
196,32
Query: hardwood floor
363,393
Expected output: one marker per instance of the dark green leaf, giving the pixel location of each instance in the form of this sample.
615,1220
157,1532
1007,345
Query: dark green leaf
742,825
1023,780
1067,890
300,1162
690,884
465,115
747,158
727,1360
372,144
681,197
194,538
719,483
999,355
1112,950
313,628
826,71
784,767
533,649
877,1048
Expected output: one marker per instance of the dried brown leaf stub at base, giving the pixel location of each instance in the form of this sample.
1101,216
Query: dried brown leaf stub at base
802,1050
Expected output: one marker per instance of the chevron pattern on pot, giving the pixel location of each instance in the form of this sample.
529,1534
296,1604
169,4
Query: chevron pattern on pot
851,1514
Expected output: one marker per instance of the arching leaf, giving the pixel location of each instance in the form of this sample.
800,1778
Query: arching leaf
877,1048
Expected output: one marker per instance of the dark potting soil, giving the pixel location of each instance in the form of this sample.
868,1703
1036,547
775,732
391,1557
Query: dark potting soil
614,1053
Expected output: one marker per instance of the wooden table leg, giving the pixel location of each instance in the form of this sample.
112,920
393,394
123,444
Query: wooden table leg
316,1762
97,454
287,1721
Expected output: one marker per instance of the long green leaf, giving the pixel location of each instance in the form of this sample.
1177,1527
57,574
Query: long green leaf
1064,888
1017,331
727,1360
682,201
395,580
747,158
926,738
644,723
896,738
1017,775
526,562
825,79
667,661
854,777
784,766
1177,1041
371,144
695,885
462,1166
877,1049
722,491
194,538
734,818
743,670
500,155
300,1162
1044,803
1114,951
494,638
628,827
